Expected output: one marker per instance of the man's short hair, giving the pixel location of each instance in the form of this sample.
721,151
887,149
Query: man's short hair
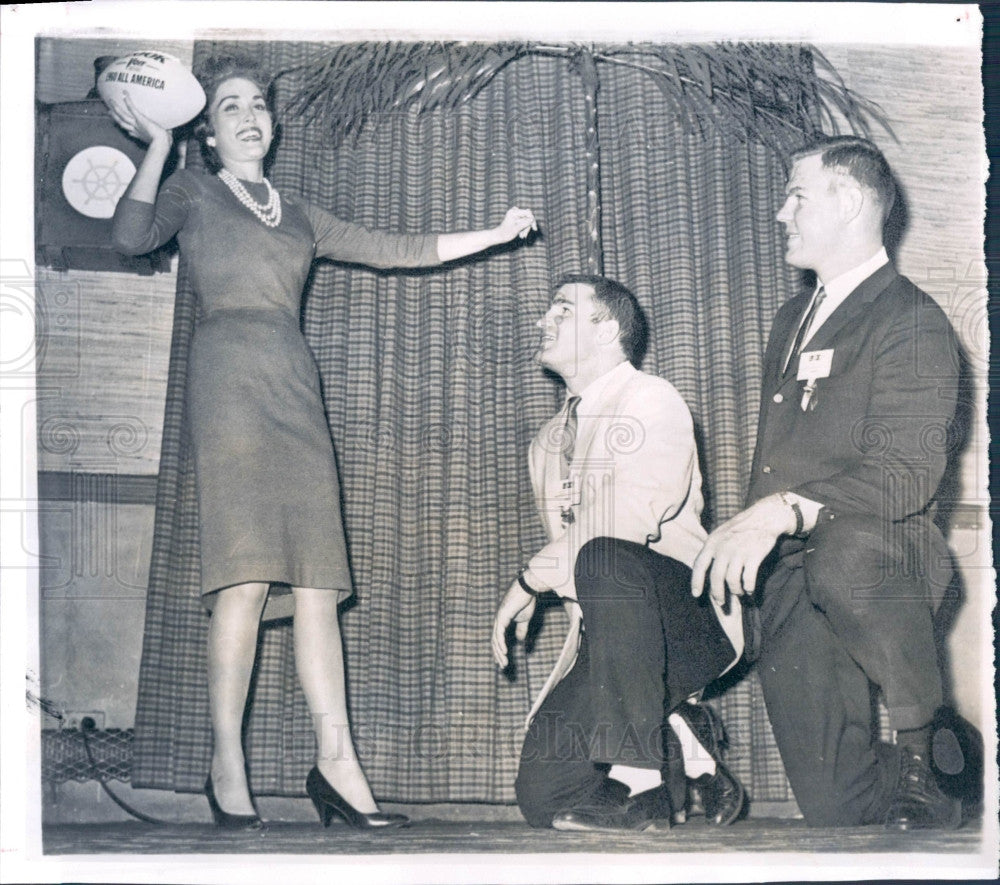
614,301
858,158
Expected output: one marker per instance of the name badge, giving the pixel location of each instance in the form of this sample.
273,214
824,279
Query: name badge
571,491
567,498
815,364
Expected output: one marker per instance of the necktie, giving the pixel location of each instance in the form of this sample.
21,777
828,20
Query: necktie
567,441
800,337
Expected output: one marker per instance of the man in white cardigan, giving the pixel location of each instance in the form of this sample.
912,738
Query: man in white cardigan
616,480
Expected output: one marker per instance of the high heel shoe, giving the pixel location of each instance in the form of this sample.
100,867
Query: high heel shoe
226,821
328,801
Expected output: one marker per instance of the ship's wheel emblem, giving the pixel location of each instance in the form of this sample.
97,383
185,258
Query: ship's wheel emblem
94,180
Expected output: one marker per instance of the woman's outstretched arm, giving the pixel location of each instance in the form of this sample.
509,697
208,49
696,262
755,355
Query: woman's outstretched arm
516,223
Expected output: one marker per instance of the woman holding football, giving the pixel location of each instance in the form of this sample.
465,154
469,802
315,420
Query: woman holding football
271,535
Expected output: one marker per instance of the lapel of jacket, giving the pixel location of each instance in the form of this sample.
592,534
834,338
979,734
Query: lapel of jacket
847,311
779,343
854,305
594,422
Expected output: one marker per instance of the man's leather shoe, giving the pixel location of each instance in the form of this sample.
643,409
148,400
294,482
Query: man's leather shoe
919,803
956,756
722,795
649,810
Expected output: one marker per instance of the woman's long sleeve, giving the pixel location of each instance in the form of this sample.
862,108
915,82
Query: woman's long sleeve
357,244
140,227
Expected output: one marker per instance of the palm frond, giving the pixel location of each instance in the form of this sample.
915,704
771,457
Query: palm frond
766,92
349,84
834,95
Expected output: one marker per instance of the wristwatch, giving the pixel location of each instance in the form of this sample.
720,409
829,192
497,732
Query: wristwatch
797,510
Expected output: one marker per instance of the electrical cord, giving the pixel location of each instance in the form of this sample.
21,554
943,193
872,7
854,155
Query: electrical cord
87,725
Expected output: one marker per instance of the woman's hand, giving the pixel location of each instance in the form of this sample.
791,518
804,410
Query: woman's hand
516,223
146,181
137,124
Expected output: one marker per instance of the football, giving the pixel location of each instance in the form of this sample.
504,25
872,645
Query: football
159,86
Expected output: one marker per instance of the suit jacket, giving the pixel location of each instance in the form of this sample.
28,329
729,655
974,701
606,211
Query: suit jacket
875,438
635,476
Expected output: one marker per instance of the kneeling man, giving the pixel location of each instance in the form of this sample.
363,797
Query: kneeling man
616,480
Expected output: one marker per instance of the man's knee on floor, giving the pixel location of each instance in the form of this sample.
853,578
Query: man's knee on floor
535,799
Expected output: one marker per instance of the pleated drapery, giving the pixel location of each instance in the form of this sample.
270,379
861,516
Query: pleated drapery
689,226
432,398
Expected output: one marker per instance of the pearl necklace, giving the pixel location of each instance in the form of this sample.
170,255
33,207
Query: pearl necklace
269,213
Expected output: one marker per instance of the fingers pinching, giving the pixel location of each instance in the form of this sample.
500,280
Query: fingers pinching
529,222
519,222
697,579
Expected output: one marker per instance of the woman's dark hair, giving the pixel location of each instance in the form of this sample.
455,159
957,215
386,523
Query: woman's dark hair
212,73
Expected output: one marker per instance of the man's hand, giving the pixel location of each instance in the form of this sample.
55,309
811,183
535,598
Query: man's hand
735,550
517,606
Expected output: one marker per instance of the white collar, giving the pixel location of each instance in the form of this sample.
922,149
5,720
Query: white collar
593,392
841,286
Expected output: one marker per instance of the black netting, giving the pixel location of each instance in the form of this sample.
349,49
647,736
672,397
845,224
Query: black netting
64,755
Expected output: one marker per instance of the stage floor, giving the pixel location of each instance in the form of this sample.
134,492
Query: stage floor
435,836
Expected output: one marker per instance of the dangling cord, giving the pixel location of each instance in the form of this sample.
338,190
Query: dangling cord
86,727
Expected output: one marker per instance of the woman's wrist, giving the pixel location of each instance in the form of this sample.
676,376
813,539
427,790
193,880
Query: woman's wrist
161,142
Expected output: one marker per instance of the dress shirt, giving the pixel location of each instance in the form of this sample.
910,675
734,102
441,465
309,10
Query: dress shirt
840,287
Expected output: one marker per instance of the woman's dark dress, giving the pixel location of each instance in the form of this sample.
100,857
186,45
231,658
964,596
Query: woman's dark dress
268,491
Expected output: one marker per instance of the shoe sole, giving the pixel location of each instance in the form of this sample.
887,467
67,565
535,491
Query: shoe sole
725,822
653,826
946,752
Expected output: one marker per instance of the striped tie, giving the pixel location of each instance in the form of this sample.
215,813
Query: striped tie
803,332
568,438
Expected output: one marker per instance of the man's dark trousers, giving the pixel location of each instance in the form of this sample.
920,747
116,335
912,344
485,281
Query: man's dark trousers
842,611
647,646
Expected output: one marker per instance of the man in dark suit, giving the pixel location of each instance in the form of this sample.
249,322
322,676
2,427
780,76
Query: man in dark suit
859,393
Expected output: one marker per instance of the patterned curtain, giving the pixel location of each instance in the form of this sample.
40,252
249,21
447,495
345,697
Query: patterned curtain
432,398
689,227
